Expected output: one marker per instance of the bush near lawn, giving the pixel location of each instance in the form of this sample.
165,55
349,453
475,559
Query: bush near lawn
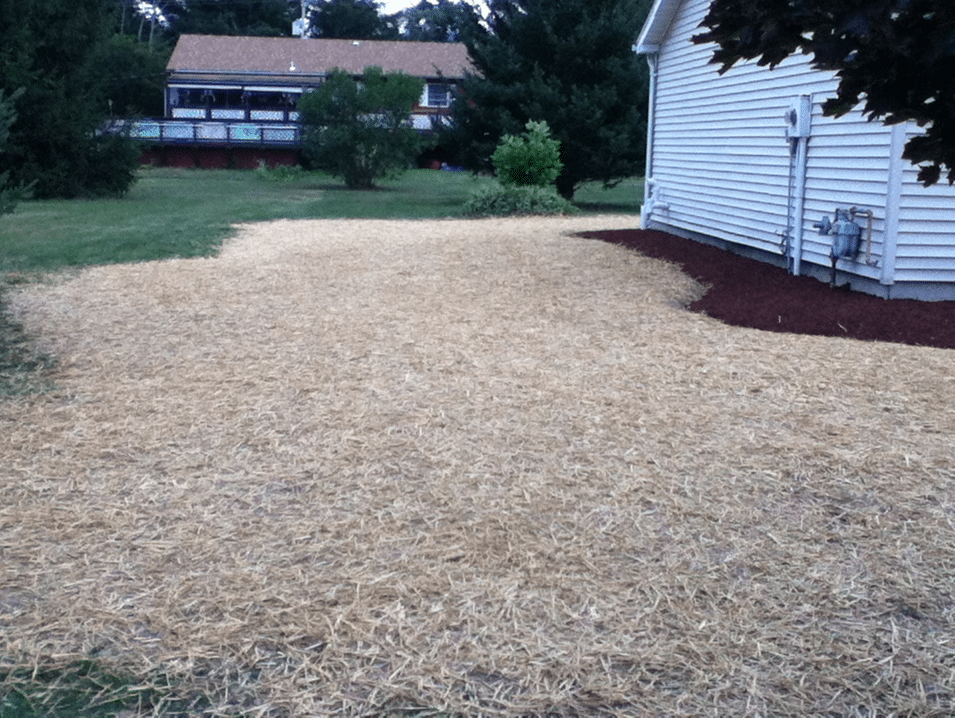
501,201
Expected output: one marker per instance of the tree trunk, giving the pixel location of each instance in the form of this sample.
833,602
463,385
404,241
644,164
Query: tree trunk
565,187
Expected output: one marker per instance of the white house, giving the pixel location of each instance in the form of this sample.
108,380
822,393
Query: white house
747,161
222,77
233,101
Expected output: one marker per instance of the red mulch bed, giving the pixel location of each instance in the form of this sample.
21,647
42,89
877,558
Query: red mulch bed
748,293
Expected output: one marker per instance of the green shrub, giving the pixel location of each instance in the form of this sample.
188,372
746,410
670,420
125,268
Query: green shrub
110,167
499,201
529,160
360,130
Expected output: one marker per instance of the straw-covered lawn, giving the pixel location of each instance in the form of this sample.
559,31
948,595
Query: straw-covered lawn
480,467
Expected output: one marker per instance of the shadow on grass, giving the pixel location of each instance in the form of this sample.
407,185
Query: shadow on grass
85,689
23,370
607,207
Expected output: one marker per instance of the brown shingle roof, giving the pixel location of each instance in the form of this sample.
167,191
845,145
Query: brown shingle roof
277,56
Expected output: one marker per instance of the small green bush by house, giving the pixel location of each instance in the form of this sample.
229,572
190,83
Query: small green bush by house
279,173
527,166
528,160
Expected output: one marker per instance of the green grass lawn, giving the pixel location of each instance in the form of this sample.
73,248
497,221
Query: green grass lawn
187,213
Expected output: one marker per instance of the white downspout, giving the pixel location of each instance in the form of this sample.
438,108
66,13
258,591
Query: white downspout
648,189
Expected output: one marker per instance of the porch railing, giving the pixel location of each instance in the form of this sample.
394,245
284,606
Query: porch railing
213,133
221,132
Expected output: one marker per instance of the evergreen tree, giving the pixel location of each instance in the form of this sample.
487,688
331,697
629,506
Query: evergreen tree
896,57
566,62
56,140
361,130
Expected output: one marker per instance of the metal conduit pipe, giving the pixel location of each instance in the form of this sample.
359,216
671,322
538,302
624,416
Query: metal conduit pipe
798,131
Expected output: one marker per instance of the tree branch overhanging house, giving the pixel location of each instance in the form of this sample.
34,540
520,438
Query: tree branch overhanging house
232,100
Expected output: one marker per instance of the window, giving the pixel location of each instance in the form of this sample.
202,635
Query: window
437,94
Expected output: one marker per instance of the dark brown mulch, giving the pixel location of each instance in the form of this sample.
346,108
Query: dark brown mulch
748,293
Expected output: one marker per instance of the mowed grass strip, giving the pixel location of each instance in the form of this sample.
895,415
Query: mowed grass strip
187,213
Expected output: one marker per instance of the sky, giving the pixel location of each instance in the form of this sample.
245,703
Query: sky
393,6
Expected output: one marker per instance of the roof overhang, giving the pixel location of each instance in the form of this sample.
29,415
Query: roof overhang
186,77
656,26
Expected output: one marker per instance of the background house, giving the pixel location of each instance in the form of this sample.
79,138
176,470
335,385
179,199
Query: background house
232,100
747,161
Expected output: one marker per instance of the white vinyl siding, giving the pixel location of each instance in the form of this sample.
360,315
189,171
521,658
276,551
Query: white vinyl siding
720,155
848,166
926,243
720,164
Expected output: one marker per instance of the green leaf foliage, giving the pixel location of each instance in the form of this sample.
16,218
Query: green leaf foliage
272,18
532,159
350,19
438,21
131,76
894,57
566,62
360,130
47,49
498,200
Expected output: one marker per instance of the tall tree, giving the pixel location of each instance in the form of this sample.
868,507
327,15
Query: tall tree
440,21
895,57
226,17
568,63
131,75
350,19
46,49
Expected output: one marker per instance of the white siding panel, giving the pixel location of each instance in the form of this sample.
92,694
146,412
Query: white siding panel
720,154
848,166
926,229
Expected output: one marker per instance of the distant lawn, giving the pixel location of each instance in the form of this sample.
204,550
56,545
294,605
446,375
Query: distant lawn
187,213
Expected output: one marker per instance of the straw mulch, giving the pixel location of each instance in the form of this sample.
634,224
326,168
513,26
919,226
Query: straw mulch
477,467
